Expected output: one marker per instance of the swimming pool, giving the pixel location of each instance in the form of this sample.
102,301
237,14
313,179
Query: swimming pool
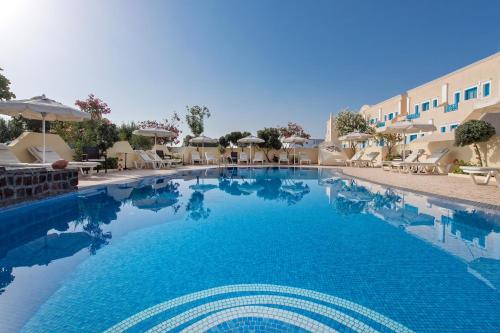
249,249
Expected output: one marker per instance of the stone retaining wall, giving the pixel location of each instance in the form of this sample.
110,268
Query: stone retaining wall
17,185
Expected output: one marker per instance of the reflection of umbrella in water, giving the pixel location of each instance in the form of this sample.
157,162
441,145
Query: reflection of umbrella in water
46,249
202,187
250,187
156,203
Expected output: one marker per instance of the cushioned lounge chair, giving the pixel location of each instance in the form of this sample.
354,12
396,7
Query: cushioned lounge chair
210,158
357,156
243,158
367,160
52,156
145,161
304,158
8,159
258,157
398,165
283,158
429,166
196,158
488,172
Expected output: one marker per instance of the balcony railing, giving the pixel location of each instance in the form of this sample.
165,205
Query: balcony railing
451,107
413,116
380,124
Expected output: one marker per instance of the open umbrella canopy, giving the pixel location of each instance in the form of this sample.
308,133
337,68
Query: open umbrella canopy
409,127
42,108
356,136
154,132
294,139
203,139
250,139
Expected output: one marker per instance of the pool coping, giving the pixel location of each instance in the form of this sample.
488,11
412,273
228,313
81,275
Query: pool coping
92,188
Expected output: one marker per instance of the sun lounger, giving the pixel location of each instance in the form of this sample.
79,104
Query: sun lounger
243,158
304,158
482,171
196,158
52,156
283,158
144,161
367,160
258,157
8,159
210,158
429,166
398,165
168,159
354,158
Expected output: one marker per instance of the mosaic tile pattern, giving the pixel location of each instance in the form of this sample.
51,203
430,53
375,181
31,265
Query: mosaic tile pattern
255,325
301,308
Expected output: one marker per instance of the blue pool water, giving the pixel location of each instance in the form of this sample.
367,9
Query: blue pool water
249,250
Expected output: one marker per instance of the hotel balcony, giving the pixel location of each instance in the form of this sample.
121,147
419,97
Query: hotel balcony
451,107
380,124
413,116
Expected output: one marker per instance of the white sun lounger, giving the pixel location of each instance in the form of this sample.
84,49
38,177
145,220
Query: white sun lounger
243,158
283,158
367,160
258,157
210,158
51,156
145,161
398,165
8,159
196,158
354,158
482,171
304,158
429,166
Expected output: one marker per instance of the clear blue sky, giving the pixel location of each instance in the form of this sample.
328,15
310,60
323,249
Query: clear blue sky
253,63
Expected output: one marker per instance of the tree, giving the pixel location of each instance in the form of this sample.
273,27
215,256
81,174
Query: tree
195,118
349,121
390,140
473,132
271,137
5,93
10,129
171,125
93,105
292,129
233,137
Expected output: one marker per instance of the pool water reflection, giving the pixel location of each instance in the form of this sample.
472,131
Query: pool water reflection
90,261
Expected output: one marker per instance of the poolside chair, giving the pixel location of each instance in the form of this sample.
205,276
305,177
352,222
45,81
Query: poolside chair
233,157
196,158
243,158
210,158
354,158
429,166
398,165
283,158
147,161
367,160
8,159
52,156
168,159
258,157
304,158
488,172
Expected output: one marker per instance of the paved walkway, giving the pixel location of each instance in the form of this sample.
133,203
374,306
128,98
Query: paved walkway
446,186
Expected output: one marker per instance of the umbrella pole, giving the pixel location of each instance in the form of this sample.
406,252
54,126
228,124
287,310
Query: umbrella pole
43,133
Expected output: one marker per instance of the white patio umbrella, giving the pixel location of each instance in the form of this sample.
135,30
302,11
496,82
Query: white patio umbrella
154,132
356,136
44,109
294,140
250,140
408,127
203,139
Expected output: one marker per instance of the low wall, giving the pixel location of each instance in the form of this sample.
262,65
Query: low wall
118,150
17,185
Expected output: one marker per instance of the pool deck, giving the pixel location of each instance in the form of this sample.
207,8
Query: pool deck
445,186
